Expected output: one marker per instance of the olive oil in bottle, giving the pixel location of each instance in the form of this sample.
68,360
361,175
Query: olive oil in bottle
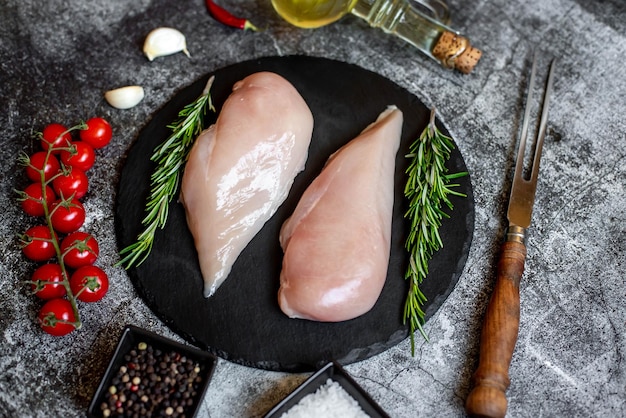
312,13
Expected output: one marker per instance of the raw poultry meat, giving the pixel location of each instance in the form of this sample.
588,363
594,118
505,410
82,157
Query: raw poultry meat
241,169
337,242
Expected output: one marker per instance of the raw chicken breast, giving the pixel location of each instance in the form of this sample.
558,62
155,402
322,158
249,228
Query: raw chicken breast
337,242
241,168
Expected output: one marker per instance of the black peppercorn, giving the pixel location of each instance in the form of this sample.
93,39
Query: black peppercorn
152,383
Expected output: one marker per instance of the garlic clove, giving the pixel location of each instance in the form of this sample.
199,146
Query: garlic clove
124,97
164,41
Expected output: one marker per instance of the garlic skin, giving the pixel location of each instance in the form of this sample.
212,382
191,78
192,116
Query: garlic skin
164,41
124,97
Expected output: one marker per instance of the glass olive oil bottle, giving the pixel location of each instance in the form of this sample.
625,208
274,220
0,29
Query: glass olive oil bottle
421,23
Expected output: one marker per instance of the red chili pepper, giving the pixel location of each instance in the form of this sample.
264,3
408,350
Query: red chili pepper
224,16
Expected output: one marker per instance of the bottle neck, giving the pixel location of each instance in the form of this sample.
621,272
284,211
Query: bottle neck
433,38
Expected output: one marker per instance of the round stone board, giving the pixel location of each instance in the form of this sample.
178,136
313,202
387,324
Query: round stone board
242,321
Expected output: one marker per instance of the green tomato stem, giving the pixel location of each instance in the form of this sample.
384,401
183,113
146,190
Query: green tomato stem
55,241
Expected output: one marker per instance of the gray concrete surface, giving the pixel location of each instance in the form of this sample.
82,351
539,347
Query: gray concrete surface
59,57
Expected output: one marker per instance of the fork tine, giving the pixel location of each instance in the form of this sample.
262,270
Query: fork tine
543,123
524,135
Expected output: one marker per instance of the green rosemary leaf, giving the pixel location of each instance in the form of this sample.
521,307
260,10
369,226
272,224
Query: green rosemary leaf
427,189
170,157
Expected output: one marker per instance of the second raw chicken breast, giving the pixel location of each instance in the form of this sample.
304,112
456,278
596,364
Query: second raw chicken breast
240,169
337,242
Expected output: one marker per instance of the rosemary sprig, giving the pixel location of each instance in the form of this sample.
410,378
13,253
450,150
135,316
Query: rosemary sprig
170,156
427,189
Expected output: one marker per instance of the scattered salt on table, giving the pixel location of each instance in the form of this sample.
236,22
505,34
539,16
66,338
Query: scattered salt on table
329,400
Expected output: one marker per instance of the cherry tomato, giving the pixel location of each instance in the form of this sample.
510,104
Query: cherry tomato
42,161
79,249
55,135
33,202
82,156
47,282
38,244
74,183
67,216
56,317
98,132
89,284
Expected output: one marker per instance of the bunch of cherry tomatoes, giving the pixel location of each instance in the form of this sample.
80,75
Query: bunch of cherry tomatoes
66,255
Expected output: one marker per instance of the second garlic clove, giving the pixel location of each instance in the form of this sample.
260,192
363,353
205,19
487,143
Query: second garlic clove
124,97
164,41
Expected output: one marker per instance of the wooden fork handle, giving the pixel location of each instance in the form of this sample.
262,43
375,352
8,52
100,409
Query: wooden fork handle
498,337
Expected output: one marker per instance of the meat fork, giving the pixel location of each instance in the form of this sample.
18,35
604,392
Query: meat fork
501,322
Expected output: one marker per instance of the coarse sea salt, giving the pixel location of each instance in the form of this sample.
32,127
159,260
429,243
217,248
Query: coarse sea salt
329,400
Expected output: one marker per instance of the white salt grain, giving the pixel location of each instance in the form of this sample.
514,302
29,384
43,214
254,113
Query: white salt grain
329,400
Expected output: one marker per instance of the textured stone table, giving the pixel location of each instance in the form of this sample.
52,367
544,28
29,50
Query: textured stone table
59,57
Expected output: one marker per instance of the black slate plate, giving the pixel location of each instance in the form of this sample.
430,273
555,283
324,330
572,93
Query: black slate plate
242,321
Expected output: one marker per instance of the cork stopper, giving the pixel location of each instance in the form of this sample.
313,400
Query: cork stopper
455,51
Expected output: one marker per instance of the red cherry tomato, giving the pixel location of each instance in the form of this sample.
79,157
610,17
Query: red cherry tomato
82,156
75,183
38,244
98,133
89,284
33,202
66,216
47,282
57,318
79,249
55,135
42,161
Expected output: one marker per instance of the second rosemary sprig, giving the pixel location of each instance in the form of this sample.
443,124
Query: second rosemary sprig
170,156
428,190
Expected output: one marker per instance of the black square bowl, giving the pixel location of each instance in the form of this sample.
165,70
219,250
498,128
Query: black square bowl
333,371
132,336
